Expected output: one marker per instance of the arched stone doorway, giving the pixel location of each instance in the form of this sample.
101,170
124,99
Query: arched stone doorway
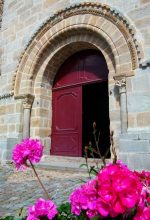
80,97
84,26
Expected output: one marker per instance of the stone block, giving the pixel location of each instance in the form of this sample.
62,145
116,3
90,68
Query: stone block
3,151
36,9
42,132
10,109
42,112
11,128
139,161
140,13
2,110
11,142
136,161
3,129
118,41
13,119
7,145
141,83
138,102
143,119
129,84
48,3
146,35
12,4
129,136
24,16
27,5
125,57
143,23
31,20
35,122
145,136
19,108
114,115
134,146
144,1
125,67
123,49
47,143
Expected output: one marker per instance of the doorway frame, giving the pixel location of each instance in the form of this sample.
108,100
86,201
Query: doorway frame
87,25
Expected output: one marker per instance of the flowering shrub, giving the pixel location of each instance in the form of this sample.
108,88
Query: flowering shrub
116,191
28,149
42,208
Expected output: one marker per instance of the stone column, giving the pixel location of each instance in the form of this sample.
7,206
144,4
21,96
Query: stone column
27,104
121,84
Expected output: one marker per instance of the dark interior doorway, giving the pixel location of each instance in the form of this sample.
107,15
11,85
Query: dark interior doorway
95,105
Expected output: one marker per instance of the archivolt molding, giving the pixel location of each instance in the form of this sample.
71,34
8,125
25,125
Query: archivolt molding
100,10
97,9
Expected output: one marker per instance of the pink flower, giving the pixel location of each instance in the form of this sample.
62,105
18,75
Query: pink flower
42,208
119,187
28,149
78,201
115,191
142,213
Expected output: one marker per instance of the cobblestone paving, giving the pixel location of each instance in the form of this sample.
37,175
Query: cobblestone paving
20,189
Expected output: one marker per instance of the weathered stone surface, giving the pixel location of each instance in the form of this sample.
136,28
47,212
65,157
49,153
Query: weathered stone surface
129,136
134,146
140,13
145,136
136,161
141,83
138,102
143,119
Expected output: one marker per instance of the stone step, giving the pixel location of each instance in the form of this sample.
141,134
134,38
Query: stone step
135,136
136,161
134,146
66,163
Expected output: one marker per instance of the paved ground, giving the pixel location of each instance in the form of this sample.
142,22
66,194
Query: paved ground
20,189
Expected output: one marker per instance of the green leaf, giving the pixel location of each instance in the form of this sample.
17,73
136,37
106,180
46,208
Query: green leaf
7,218
93,170
83,165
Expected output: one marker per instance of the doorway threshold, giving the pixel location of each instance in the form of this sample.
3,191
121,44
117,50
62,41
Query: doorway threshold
49,162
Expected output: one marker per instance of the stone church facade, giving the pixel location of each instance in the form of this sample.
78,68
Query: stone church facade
38,36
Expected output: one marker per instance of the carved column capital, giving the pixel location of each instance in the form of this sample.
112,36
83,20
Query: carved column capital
27,101
121,84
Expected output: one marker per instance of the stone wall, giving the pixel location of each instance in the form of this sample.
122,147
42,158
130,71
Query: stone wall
21,20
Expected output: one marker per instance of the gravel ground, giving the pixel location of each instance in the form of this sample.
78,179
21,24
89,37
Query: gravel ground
20,189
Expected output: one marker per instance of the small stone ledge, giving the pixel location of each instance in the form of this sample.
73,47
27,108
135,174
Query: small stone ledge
135,136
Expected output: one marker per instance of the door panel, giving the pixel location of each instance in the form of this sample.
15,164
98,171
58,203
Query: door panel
67,122
82,67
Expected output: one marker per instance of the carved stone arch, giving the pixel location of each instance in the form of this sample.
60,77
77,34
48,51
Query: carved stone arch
71,44
97,19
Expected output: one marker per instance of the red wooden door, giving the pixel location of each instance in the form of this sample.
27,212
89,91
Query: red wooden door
82,68
67,122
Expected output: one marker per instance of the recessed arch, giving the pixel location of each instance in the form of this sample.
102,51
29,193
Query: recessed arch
96,19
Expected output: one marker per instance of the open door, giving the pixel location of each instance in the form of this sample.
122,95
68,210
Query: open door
67,122
83,72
